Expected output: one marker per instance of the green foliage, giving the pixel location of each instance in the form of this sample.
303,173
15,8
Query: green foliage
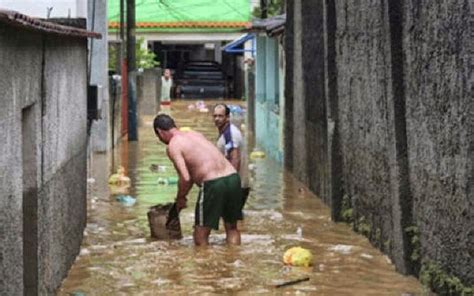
113,57
413,233
274,7
387,245
346,209
145,58
378,235
433,276
363,226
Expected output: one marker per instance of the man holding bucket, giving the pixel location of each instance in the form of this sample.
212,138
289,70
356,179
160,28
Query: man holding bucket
199,162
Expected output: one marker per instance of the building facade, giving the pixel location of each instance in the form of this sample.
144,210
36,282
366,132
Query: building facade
43,121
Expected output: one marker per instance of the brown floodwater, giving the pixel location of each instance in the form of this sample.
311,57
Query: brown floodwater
118,257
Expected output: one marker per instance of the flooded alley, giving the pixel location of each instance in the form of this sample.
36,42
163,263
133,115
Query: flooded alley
118,257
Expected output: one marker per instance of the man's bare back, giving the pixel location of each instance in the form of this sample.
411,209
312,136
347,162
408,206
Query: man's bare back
202,159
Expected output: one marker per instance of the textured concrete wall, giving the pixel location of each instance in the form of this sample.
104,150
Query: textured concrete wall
98,54
288,128
147,92
363,62
43,195
62,210
315,103
267,122
298,141
22,55
268,118
379,109
440,115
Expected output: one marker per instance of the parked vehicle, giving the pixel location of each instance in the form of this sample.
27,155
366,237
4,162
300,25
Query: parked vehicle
202,80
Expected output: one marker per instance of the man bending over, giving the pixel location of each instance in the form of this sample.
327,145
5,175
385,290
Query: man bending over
198,161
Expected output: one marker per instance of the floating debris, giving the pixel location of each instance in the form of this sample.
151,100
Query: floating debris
257,154
119,179
292,282
343,249
185,129
126,200
168,181
298,256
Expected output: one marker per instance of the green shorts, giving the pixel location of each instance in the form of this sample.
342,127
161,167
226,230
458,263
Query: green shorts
221,197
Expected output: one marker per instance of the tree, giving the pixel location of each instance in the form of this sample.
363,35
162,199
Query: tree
274,7
146,59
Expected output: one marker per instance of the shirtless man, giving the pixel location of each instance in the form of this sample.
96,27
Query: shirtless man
199,162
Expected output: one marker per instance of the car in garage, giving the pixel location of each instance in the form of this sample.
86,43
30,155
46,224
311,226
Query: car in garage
202,80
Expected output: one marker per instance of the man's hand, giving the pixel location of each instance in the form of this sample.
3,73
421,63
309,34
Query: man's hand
181,203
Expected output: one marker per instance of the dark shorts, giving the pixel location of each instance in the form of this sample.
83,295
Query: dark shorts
221,197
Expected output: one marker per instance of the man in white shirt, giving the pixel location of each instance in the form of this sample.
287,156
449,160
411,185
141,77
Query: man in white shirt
166,84
231,143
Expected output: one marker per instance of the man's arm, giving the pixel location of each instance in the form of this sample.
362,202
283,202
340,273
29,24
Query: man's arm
237,143
185,183
234,158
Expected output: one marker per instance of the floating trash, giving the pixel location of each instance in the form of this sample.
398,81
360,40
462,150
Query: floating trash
298,256
119,179
91,180
299,232
343,249
168,180
164,222
185,129
236,109
155,168
126,200
257,154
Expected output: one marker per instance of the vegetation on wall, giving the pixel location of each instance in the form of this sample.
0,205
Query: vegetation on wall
145,58
274,7
433,276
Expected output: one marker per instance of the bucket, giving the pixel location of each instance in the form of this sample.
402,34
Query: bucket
164,221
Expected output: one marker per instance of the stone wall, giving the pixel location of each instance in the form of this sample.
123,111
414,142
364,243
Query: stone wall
148,92
101,131
379,117
440,114
43,121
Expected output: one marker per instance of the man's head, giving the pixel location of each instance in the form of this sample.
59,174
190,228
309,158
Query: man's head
221,115
163,124
167,73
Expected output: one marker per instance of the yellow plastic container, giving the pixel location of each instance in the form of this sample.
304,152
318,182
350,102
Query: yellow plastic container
257,154
185,129
298,256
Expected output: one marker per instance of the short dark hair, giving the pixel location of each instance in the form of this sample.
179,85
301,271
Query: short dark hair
227,109
163,122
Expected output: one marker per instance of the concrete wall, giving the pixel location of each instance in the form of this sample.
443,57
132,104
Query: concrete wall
148,92
379,115
101,132
269,100
440,129
43,158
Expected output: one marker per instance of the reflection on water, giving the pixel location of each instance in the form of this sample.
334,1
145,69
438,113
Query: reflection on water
119,258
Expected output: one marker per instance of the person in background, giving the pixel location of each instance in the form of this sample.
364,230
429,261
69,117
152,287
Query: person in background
166,84
198,161
231,143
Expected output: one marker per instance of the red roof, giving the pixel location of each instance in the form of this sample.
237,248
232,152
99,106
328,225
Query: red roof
186,24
